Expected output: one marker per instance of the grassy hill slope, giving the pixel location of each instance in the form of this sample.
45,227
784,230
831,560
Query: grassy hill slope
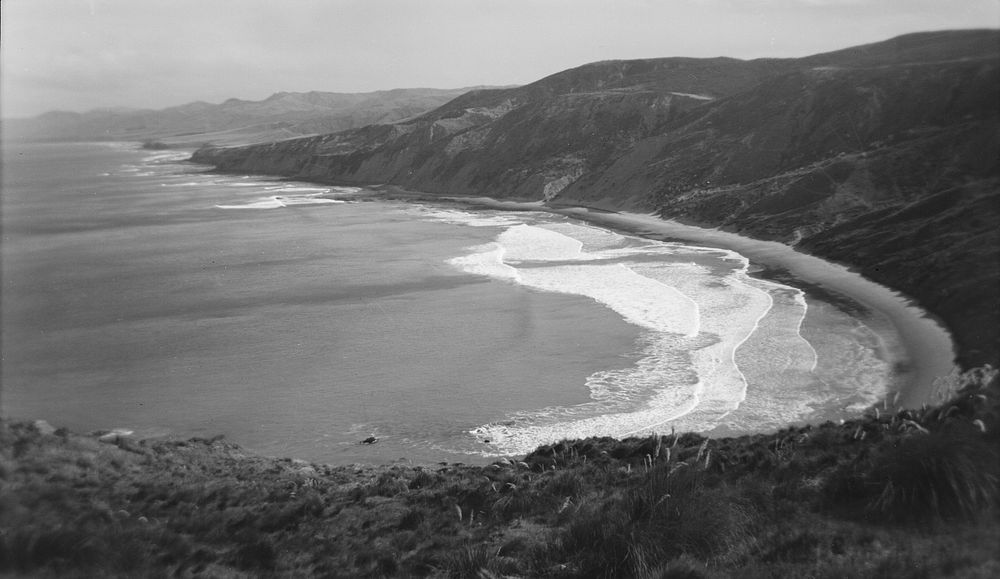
892,494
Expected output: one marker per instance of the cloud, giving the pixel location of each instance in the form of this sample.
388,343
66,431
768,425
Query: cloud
71,54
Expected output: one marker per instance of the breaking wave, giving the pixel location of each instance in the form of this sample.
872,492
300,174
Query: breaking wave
709,331
278,201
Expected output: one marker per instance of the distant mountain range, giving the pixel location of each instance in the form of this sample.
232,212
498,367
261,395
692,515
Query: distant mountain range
282,115
884,156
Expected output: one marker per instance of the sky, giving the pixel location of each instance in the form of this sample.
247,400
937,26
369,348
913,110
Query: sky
78,55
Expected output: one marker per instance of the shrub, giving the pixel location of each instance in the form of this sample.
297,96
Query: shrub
257,554
423,479
389,484
604,543
566,483
666,514
515,503
945,474
412,519
477,561
680,569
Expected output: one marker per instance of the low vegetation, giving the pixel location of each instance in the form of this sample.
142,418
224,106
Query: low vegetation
896,493
154,145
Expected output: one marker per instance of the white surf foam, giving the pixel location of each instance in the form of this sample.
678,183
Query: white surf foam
592,239
167,157
466,218
278,201
664,382
800,299
186,184
298,189
271,203
345,191
311,201
699,307
794,311
663,377
529,243
777,363
487,260
856,369
640,300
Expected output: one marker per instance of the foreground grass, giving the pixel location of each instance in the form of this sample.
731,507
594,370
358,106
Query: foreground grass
893,494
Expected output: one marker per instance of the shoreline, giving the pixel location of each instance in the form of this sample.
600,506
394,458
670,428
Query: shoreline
929,349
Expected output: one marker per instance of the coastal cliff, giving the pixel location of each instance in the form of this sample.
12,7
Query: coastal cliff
885,157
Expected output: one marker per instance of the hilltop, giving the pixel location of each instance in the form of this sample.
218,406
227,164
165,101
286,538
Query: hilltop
885,157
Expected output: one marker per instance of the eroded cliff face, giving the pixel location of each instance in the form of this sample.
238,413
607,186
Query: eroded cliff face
886,157
530,142
511,148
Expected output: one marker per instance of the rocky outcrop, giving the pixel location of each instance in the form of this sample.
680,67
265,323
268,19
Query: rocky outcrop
884,156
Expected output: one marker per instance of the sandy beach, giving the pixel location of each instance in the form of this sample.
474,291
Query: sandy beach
928,355
929,350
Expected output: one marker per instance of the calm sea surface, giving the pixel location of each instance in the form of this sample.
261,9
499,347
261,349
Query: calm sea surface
141,292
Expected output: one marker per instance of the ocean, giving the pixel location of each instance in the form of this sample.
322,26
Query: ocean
145,293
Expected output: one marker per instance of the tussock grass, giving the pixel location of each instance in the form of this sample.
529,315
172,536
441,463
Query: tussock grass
949,473
663,514
477,561
824,501
932,464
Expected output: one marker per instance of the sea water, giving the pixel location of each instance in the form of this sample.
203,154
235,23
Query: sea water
145,293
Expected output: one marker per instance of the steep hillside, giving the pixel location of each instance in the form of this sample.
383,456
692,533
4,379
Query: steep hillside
282,115
884,156
526,142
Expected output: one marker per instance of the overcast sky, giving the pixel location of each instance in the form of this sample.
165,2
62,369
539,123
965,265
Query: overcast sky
83,54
